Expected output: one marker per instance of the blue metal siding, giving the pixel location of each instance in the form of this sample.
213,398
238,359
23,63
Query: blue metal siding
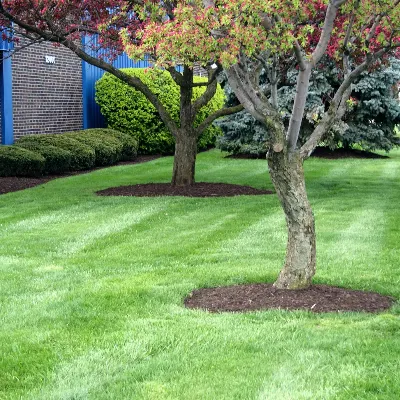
92,117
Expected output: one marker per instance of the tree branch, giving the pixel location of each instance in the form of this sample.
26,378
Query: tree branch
326,31
332,114
130,80
218,114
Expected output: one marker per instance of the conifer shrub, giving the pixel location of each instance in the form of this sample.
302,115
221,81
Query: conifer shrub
128,142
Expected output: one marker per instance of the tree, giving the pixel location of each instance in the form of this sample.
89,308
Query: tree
369,122
118,25
245,36
359,33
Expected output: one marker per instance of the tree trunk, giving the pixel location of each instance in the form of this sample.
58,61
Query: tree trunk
185,136
288,178
184,159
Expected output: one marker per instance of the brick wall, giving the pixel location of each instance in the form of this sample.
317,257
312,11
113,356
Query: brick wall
47,98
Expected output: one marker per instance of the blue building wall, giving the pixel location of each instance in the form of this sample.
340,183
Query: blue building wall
92,117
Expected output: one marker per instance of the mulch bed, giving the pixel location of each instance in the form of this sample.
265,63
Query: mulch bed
200,189
12,184
325,152
260,296
321,152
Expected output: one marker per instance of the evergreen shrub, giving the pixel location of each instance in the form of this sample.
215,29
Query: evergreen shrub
57,160
128,142
82,156
107,149
16,161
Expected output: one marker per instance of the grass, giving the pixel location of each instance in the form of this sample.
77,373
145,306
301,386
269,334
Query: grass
91,288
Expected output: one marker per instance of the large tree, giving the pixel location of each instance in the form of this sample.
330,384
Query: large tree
64,22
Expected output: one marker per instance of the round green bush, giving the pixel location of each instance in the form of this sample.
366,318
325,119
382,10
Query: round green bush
128,110
129,143
57,160
82,156
15,161
108,150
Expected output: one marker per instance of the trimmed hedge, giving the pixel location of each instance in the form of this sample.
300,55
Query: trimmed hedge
16,161
35,155
107,149
82,156
129,143
57,160
127,110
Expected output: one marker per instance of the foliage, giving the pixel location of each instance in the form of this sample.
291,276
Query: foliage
242,134
129,143
57,160
128,110
107,149
373,111
15,161
82,156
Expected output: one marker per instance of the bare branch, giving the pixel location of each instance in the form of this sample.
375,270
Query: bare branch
218,114
326,31
299,56
130,80
340,97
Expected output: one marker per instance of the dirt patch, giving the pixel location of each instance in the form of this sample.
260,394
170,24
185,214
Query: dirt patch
200,189
14,183
317,298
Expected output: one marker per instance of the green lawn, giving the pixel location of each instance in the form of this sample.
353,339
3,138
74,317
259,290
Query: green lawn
91,287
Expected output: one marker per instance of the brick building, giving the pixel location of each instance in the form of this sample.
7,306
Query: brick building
47,89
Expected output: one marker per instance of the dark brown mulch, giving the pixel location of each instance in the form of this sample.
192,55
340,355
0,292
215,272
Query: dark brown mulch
200,189
12,184
244,156
321,152
317,298
325,152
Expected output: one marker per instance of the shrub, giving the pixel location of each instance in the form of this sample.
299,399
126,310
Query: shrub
107,149
127,110
369,123
242,134
82,156
57,160
16,161
129,143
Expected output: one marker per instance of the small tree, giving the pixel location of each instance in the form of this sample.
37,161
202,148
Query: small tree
359,33
119,26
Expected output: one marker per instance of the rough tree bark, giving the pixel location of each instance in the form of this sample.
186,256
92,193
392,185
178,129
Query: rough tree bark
185,158
186,136
287,174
